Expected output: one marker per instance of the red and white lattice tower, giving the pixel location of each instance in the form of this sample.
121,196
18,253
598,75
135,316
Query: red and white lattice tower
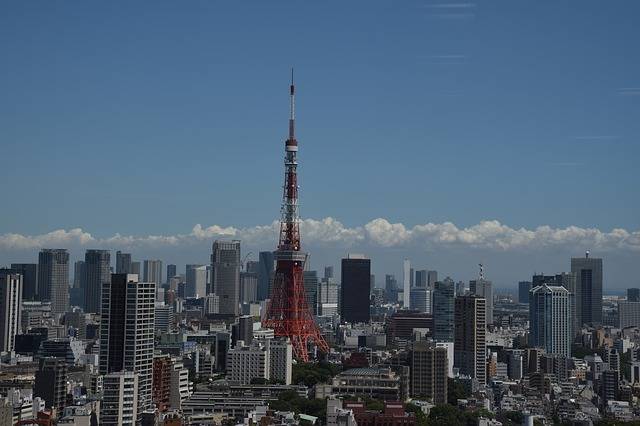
287,312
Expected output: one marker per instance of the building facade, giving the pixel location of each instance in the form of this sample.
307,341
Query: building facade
355,289
97,265
550,319
127,331
443,311
470,345
10,308
588,292
120,399
53,279
225,270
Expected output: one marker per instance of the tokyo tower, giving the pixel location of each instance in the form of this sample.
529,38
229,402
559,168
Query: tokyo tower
287,312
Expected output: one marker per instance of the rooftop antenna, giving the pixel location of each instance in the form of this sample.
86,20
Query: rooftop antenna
586,254
481,271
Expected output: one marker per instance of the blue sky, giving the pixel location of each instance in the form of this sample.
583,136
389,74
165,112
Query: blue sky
146,118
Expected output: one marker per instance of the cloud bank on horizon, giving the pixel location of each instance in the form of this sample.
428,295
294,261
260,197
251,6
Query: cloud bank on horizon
488,234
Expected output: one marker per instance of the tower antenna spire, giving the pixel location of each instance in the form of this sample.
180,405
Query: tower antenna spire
292,108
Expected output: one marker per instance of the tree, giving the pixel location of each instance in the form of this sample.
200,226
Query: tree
455,391
421,417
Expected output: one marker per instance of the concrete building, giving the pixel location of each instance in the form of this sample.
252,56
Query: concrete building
629,313
633,294
152,272
355,289
483,288
248,362
127,330
428,372
327,297
163,320
470,337
248,287
180,389
390,288
523,291
172,271
29,272
421,300
443,311
97,272
588,294
196,276
123,263
120,399
225,270
280,360
53,279
51,382
310,282
10,308
550,319
406,283
266,269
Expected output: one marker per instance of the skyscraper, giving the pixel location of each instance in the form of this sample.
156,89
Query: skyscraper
421,278
328,272
443,311
196,280
123,263
391,288
248,287
550,319
327,297
172,271
29,272
265,272
432,278
355,289
53,278
470,345
588,294
79,275
523,291
225,269
310,281
633,294
126,331
406,284
483,288
97,272
421,300
10,308
152,272
135,269
629,314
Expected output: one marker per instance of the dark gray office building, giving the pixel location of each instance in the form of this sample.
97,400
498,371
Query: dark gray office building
53,279
523,291
588,291
265,272
29,272
443,310
355,289
225,271
123,263
633,294
310,282
97,265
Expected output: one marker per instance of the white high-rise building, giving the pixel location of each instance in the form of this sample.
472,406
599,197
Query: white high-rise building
550,319
281,360
406,283
120,399
127,331
10,308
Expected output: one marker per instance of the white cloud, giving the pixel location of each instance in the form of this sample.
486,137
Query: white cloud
379,232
